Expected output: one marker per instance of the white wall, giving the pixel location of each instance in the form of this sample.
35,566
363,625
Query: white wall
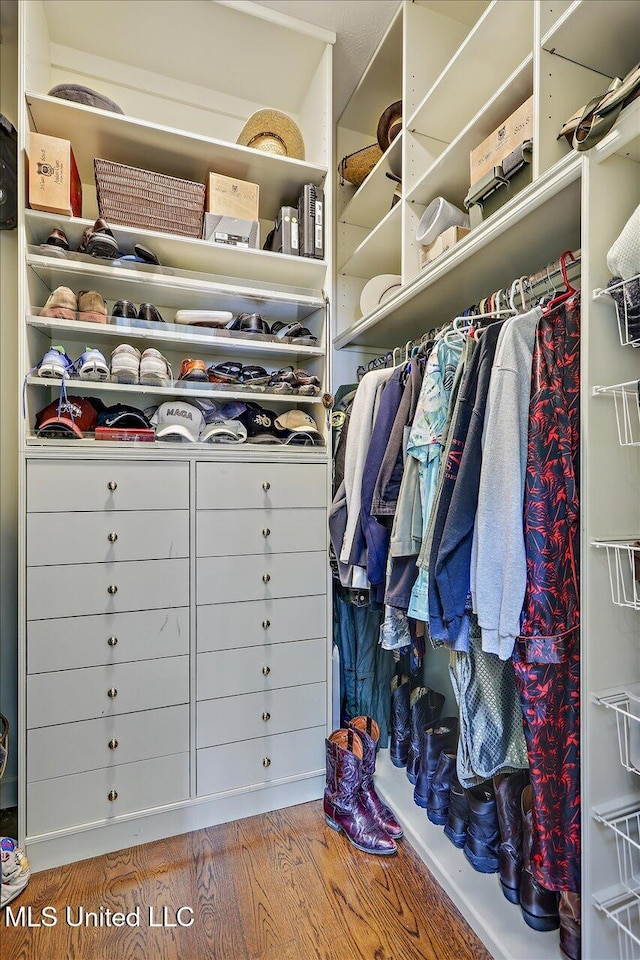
9,424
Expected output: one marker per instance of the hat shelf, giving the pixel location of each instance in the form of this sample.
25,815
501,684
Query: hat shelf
600,36
370,202
378,252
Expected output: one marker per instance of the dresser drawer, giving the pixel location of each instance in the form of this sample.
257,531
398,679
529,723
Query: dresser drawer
254,715
226,533
224,626
229,672
85,797
235,765
249,486
229,579
76,589
58,538
72,642
60,485
84,694
95,744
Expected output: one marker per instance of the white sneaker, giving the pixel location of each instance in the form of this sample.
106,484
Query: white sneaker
155,369
125,364
92,365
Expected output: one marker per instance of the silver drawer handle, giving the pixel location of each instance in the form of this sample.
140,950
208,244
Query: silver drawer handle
266,532
266,762
266,716
266,577
266,671
112,795
112,537
112,693
112,589
266,486
112,641
266,624
112,485
113,744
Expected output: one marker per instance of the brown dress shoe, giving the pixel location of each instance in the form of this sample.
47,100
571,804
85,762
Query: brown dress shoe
570,925
539,906
62,304
92,307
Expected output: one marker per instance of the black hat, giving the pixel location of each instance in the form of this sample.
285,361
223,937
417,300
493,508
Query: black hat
122,415
261,425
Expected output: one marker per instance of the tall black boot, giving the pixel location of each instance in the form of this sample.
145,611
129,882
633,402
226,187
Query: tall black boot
400,732
425,707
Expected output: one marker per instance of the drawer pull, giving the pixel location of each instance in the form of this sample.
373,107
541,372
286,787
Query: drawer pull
112,641
266,532
113,744
266,671
112,485
112,589
266,716
112,795
266,577
266,762
112,693
112,537
266,624
266,486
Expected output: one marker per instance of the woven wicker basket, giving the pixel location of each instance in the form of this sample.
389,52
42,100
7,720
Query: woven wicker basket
140,198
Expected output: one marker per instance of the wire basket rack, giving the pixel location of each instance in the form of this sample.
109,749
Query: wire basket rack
626,398
628,726
625,913
626,296
623,557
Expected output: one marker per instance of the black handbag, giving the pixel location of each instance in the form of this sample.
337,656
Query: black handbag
8,175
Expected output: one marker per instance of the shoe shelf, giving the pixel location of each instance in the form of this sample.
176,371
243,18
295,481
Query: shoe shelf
600,36
623,558
628,327
372,199
627,725
626,397
379,251
448,175
474,72
175,152
197,256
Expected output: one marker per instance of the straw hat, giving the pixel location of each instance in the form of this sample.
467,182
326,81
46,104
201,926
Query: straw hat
389,125
273,132
356,167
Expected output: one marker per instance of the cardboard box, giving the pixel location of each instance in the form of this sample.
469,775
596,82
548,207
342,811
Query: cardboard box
232,198
54,181
515,130
446,240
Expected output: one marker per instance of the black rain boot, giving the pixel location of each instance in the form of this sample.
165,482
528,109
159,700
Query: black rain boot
483,834
457,814
438,799
435,739
425,707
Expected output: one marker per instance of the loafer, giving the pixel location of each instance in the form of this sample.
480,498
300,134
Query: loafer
99,241
193,370
124,308
151,314
92,306
56,244
251,323
62,304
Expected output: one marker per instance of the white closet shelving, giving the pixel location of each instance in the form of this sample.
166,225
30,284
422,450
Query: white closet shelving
455,92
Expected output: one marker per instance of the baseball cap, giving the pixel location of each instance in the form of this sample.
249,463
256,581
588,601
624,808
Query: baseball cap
297,421
224,431
122,415
260,425
70,417
175,418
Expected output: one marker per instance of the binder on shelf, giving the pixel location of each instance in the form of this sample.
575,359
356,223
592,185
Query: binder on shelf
311,218
284,238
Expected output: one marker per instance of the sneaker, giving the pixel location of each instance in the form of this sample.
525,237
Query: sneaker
55,363
14,870
155,369
125,364
62,304
92,365
99,241
56,244
193,370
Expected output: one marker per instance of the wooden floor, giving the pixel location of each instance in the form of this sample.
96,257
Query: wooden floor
282,886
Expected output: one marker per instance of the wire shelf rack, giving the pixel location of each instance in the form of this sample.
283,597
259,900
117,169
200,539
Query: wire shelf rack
626,915
628,726
626,827
626,397
623,557
626,296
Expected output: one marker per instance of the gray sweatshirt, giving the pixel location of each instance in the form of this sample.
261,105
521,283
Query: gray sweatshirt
498,561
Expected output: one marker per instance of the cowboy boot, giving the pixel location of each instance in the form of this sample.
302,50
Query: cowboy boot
369,733
435,739
400,734
439,791
570,925
458,814
483,832
539,906
508,788
425,707
343,808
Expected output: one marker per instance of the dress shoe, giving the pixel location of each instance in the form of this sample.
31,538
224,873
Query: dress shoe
425,707
92,306
434,740
400,731
98,241
56,243
62,304
483,833
148,312
439,791
570,925
458,814
369,733
124,308
539,906
508,789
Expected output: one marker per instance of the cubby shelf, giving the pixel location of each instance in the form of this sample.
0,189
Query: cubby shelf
600,36
370,203
379,252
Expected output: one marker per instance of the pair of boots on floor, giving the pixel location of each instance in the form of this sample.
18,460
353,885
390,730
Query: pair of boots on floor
351,804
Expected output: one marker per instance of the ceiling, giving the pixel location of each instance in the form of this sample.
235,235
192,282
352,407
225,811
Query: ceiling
359,26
